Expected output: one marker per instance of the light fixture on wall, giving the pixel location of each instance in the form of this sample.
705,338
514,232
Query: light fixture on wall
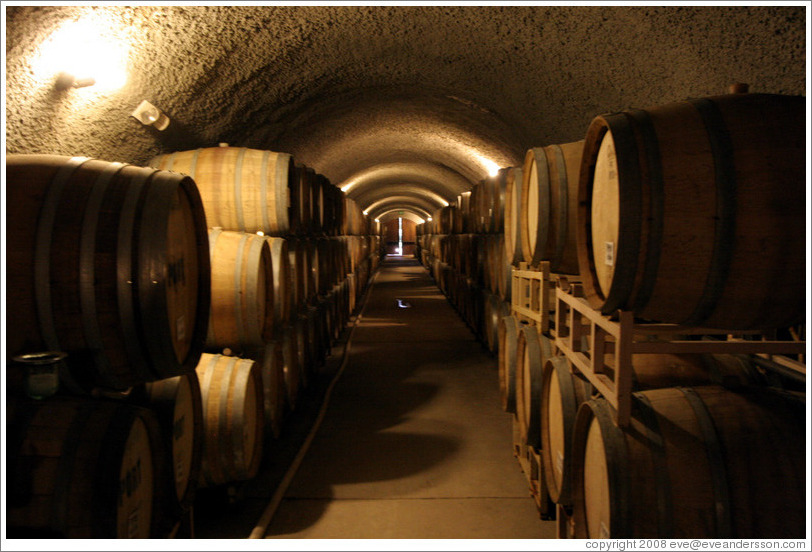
66,80
92,50
148,115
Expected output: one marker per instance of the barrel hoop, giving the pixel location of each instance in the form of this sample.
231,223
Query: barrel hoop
42,251
225,429
563,206
725,225
65,470
263,191
656,445
238,272
87,263
214,233
128,292
281,189
238,189
628,246
170,161
193,164
543,207
256,324
713,449
240,379
654,220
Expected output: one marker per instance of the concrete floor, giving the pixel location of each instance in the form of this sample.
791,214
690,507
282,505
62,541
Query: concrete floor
414,443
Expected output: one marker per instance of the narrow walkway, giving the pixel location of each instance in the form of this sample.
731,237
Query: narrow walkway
414,443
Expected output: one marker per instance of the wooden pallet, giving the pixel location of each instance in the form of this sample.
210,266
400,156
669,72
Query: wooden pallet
623,338
531,464
532,294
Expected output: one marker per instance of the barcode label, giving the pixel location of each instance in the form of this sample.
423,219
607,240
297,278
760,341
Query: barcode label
610,253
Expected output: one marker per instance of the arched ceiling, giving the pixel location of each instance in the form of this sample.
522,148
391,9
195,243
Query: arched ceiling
403,106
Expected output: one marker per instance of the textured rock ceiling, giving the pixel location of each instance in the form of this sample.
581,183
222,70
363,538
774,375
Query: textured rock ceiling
404,107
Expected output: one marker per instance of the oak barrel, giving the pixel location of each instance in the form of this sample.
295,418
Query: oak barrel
83,468
242,290
509,329
270,360
695,462
512,227
283,294
177,403
549,206
233,418
694,213
563,390
243,189
108,263
532,352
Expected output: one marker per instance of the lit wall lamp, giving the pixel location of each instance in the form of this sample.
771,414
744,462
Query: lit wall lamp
148,114
66,80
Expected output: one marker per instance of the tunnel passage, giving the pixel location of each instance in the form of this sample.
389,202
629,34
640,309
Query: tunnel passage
402,107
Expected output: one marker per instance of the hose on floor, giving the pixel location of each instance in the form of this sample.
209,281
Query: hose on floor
267,516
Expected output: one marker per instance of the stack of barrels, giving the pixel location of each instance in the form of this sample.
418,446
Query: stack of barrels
108,319
290,255
463,246
167,319
687,214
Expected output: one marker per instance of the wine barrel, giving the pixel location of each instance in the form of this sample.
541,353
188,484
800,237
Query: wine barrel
695,462
304,349
270,360
495,310
549,206
300,201
290,366
83,468
317,205
108,263
498,201
502,269
513,203
693,212
532,352
177,403
283,295
243,190
563,390
233,418
242,290
509,329
299,271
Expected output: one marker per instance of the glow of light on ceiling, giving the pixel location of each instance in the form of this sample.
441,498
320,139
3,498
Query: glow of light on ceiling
87,48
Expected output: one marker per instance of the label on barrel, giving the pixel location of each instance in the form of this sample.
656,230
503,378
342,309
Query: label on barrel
559,461
609,258
604,531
